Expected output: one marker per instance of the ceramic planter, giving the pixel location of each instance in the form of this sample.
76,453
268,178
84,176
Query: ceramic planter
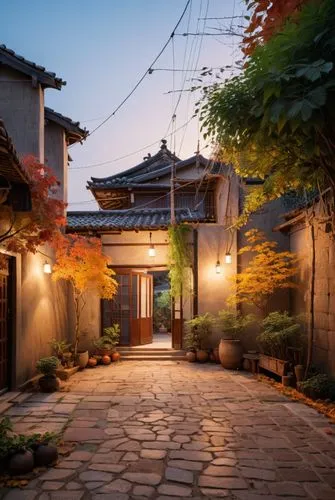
202,356
274,365
190,356
230,353
49,383
45,454
82,359
21,463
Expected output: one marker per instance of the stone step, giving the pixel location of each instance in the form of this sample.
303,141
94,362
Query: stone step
144,348
153,357
150,352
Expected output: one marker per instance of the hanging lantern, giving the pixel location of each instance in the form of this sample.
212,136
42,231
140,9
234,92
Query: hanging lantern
151,250
228,258
47,268
218,267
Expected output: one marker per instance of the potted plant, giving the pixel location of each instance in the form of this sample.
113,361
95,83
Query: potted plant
198,330
232,324
105,345
47,366
61,350
280,333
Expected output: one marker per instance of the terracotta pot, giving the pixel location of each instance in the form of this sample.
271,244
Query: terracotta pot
105,352
190,356
92,362
45,454
230,352
216,354
286,380
21,463
299,371
106,360
82,359
116,356
202,356
49,383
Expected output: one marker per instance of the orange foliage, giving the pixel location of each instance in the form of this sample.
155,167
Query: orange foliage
28,230
80,261
268,17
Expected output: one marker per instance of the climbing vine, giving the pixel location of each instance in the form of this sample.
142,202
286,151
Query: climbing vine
180,260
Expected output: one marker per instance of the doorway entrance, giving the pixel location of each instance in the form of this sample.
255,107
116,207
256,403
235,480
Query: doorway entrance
141,309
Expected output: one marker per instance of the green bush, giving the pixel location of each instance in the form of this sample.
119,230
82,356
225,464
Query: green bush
198,330
319,386
47,366
232,323
279,333
112,333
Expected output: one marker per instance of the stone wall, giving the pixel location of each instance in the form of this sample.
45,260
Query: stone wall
324,291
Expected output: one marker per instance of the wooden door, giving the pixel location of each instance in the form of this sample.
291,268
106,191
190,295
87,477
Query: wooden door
118,310
146,307
177,323
4,328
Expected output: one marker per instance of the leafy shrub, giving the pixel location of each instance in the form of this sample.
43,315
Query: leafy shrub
162,310
47,366
59,347
112,333
279,332
232,323
198,330
11,443
319,387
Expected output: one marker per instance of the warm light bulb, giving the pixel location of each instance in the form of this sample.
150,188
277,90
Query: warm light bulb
47,268
218,267
152,251
228,258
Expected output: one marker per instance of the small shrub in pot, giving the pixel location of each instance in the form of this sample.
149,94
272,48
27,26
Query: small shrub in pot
198,330
232,324
47,366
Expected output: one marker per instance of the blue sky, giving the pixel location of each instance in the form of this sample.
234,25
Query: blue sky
101,48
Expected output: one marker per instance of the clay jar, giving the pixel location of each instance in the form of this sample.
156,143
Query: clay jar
116,356
202,356
92,362
190,356
21,463
106,360
45,454
230,352
49,383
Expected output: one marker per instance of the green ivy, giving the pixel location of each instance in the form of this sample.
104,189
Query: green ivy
180,260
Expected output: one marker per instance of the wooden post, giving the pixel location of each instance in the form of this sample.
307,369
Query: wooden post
172,204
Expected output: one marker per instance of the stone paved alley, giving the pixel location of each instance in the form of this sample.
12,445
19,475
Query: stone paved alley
174,430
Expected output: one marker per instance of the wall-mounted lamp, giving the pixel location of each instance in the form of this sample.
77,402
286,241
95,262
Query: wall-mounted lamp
228,258
218,267
47,268
152,250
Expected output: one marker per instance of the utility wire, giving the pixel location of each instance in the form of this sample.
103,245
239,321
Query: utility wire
145,73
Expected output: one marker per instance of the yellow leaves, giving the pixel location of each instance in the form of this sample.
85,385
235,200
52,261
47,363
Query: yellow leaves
80,260
267,271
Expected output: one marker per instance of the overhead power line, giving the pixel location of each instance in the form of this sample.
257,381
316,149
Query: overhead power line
145,73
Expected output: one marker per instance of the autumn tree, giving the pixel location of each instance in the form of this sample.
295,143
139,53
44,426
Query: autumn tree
26,231
81,262
267,271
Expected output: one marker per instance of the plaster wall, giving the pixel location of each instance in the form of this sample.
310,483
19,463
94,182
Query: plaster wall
22,109
56,156
324,292
43,307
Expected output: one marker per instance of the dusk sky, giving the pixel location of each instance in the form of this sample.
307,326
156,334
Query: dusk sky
102,48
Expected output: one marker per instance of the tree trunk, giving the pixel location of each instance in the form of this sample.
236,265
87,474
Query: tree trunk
77,310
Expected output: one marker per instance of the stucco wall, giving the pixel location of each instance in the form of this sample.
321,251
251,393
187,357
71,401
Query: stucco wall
324,296
44,315
22,109
56,156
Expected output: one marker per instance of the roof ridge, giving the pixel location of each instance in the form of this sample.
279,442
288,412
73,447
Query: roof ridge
20,63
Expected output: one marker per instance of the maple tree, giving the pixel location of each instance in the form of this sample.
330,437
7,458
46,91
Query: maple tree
81,262
268,17
26,231
267,271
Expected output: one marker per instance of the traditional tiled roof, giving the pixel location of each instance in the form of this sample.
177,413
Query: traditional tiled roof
128,220
73,130
15,61
163,158
10,166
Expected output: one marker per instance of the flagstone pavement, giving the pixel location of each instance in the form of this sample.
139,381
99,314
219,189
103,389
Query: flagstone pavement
175,429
